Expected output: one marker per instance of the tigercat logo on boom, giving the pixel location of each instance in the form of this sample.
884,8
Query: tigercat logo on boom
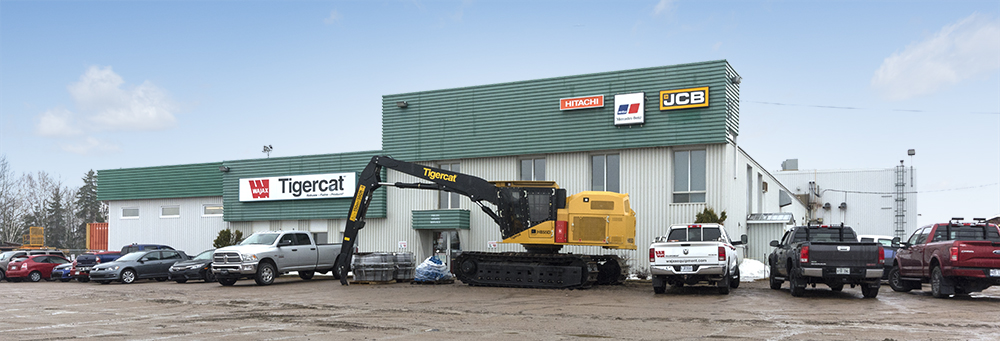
260,188
431,174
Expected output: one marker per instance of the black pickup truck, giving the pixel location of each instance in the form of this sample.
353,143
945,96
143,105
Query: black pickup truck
831,255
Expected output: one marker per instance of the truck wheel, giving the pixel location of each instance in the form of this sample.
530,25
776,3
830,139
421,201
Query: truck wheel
306,275
937,283
265,274
128,276
659,284
869,290
896,281
774,281
724,284
227,281
35,276
796,284
735,281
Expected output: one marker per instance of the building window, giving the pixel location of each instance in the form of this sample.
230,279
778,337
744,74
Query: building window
689,176
605,173
321,237
447,199
211,210
533,169
170,212
130,212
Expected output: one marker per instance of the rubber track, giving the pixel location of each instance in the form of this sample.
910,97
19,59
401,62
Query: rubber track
527,270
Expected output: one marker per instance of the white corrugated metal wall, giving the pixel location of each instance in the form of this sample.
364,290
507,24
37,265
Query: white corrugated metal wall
191,232
869,212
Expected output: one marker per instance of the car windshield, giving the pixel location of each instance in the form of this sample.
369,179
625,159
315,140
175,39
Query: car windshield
131,256
260,239
204,255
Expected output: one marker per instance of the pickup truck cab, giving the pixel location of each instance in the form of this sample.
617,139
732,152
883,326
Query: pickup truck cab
956,258
696,253
831,255
265,255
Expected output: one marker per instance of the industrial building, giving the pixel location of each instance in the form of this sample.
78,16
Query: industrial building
667,136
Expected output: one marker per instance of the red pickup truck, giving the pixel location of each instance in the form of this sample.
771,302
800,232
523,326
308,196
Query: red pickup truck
956,258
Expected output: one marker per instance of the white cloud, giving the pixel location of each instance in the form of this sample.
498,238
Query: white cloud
663,6
90,145
963,50
100,95
334,17
57,122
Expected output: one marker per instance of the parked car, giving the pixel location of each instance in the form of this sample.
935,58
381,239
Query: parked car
956,258
690,254
6,257
199,267
887,247
143,247
152,264
33,268
62,272
86,261
830,255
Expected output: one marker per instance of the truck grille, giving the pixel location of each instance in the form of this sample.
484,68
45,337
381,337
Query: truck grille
226,257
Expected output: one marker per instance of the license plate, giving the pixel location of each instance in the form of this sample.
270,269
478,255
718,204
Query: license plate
994,272
687,268
843,271
225,272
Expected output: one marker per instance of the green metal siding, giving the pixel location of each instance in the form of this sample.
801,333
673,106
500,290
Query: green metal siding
441,219
522,118
178,181
295,209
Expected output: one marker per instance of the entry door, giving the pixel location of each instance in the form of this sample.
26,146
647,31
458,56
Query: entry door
446,245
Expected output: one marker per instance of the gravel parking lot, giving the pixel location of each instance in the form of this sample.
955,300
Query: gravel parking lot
322,309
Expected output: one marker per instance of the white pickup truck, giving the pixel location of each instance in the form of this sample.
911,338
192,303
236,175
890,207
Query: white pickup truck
696,253
265,255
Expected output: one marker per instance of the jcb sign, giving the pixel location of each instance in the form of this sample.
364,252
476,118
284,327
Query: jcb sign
684,98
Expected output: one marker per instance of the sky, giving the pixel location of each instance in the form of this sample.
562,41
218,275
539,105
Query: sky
837,85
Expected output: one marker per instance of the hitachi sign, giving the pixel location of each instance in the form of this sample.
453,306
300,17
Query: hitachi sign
293,187
596,101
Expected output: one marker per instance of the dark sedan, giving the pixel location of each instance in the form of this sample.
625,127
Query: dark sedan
154,264
199,267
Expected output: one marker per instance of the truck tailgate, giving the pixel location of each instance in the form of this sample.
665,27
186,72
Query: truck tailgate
844,254
686,253
978,254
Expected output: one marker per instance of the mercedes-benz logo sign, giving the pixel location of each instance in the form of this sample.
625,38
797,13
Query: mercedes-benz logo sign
685,251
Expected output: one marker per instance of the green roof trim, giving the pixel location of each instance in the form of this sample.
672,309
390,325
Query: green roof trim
235,210
523,118
177,181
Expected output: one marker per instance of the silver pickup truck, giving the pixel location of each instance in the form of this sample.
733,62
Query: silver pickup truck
265,255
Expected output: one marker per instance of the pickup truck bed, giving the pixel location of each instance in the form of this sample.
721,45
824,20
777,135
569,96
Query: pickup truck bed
829,255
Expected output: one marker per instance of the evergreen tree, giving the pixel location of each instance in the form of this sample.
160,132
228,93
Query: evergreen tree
88,209
227,238
55,221
708,216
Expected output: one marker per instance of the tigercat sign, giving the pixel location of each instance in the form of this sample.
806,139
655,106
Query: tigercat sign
684,98
297,187
586,102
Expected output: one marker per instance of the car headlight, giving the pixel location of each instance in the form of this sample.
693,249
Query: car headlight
250,258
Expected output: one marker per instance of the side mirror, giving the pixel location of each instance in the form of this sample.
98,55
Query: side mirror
284,243
895,242
774,243
142,261
744,239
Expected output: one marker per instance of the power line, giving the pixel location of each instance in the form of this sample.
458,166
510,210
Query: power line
912,192
861,108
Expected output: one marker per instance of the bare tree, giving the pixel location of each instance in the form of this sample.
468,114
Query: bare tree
36,191
11,205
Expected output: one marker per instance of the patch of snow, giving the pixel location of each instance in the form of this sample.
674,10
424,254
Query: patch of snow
752,270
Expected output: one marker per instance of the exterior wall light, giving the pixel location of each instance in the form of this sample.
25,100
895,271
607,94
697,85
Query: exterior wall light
402,104
224,169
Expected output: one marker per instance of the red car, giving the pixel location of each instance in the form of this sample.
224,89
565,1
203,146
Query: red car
34,268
